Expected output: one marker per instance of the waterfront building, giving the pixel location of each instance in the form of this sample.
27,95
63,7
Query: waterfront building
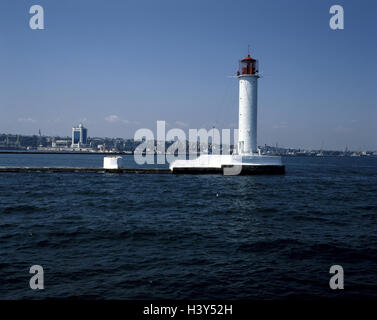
79,137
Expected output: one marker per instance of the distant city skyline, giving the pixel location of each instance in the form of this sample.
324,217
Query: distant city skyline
121,66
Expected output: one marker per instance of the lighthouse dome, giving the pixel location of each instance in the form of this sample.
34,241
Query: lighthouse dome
248,66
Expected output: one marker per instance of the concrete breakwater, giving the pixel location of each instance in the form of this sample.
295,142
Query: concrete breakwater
245,170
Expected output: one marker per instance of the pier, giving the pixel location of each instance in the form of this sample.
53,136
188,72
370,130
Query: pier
84,170
245,170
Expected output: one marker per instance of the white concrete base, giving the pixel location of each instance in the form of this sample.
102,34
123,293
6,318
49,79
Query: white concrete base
230,165
112,162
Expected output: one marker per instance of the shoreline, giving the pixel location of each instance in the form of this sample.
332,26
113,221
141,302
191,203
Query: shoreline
131,153
65,152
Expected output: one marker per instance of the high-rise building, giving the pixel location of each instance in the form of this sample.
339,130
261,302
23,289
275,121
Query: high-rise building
79,137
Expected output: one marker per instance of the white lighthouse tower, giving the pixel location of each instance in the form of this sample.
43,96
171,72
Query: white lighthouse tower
247,159
248,99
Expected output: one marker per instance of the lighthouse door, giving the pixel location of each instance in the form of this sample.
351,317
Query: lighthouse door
241,147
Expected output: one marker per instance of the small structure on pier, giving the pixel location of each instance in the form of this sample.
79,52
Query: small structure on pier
113,162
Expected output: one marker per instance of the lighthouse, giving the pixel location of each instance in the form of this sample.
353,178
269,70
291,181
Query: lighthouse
247,75
247,160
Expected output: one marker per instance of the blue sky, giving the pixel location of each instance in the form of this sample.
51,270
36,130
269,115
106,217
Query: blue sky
118,66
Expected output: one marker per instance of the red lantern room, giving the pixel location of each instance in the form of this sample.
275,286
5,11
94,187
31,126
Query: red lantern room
248,65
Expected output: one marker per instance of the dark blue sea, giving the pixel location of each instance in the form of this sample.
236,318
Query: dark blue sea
136,236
